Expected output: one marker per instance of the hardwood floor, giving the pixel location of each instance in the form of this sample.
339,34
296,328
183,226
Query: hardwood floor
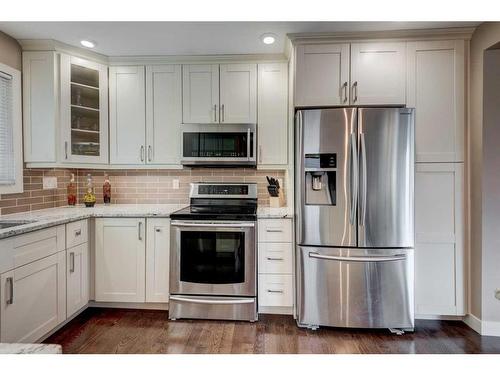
142,331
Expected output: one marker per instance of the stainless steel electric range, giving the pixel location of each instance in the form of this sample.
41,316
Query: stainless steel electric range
213,258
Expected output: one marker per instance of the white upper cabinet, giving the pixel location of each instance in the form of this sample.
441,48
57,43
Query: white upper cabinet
163,114
439,252
120,260
40,106
378,73
127,115
436,80
322,77
200,94
238,93
272,104
84,111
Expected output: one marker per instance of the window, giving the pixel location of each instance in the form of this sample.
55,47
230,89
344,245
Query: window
11,158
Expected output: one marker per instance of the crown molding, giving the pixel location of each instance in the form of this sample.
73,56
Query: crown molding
406,35
54,45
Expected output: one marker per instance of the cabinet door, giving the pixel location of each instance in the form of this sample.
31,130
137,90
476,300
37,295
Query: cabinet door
164,114
157,260
273,114
436,79
378,73
40,93
127,115
77,278
33,299
200,94
84,111
439,254
238,93
120,260
322,75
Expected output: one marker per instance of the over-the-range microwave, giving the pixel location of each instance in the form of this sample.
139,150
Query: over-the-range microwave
219,145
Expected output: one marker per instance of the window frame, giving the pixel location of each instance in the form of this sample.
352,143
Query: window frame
17,131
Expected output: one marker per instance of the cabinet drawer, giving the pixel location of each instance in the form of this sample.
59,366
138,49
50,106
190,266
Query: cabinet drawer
275,257
275,230
275,290
76,233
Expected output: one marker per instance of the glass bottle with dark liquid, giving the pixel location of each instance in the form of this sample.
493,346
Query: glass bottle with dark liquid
106,190
71,191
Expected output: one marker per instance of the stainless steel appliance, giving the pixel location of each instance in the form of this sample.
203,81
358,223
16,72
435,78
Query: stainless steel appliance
354,227
219,145
213,254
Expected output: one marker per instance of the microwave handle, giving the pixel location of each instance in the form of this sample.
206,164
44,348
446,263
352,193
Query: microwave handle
248,144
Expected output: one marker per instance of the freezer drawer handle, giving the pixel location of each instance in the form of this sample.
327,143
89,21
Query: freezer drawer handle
212,301
359,258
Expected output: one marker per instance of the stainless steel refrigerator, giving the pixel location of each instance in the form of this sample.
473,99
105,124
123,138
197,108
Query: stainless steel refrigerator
355,217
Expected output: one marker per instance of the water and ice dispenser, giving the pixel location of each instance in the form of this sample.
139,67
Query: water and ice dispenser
321,179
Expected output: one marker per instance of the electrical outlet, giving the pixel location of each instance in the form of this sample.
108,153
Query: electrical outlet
497,293
49,183
175,184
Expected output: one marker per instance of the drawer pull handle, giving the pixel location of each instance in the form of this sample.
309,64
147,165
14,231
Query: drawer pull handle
78,232
71,262
10,280
275,291
271,258
270,230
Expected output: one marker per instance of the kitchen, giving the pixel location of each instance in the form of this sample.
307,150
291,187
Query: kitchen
313,185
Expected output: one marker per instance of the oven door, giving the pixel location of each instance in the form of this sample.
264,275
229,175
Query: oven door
213,258
213,145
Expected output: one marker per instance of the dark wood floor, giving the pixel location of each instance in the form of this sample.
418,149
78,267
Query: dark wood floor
141,331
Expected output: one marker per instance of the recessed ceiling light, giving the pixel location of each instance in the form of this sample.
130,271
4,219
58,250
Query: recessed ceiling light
87,43
268,38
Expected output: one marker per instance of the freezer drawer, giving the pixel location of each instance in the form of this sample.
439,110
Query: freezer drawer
362,288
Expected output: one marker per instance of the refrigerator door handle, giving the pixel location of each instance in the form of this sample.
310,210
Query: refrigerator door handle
364,182
353,178
391,258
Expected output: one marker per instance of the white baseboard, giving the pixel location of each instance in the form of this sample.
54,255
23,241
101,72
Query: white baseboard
438,317
276,310
130,305
484,328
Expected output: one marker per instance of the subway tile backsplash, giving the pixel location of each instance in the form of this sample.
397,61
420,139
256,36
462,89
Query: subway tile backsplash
128,186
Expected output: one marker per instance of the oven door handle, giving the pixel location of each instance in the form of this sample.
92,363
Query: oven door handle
213,301
214,225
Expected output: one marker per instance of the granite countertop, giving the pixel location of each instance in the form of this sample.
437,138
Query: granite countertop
62,215
30,349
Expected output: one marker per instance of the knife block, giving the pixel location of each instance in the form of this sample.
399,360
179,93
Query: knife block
277,202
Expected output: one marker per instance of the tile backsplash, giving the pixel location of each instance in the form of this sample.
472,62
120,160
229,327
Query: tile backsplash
128,186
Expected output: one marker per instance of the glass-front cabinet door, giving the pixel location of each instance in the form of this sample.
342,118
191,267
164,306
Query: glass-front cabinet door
84,111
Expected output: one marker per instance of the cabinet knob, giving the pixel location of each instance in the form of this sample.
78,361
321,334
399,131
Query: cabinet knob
158,230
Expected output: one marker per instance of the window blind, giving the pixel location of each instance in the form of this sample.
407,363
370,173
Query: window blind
7,162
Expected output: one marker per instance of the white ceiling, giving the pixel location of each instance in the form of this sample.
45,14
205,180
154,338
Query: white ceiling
192,38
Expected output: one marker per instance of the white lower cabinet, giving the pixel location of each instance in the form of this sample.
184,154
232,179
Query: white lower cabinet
439,252
275,290
120,247
33,299
77,278
157,260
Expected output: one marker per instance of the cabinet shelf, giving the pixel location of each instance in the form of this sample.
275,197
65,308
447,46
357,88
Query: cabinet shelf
85,131
82,107
85,86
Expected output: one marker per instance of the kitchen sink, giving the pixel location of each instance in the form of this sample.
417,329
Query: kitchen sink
4,224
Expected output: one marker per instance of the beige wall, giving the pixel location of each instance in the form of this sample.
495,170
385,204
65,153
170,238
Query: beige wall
10,51
484,37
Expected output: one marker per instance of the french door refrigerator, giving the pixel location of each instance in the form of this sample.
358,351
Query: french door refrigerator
354,217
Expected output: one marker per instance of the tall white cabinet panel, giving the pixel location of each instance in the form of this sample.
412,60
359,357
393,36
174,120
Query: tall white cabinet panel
238,93
77,278
120,246
163,114
439,253
40,106
127,115
378,73
200,94
436,79
33,299
84,111
272,116
157,260
322,75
